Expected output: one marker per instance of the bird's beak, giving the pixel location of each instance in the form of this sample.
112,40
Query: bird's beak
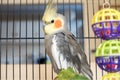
44,29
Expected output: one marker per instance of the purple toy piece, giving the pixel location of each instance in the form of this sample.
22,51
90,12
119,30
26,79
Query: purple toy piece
107,30
109,64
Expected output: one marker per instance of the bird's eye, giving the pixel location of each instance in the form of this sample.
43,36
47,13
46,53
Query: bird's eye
52,21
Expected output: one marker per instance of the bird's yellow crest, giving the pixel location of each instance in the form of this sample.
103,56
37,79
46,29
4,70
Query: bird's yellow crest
50,11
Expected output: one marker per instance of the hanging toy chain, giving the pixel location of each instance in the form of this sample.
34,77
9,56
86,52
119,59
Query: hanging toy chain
106,4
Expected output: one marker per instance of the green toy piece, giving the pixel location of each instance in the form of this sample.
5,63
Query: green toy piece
108,48
106,14
69,74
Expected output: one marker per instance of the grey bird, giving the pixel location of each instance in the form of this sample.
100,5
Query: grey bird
61,45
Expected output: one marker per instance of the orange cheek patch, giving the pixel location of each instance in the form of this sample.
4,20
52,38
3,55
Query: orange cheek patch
58,23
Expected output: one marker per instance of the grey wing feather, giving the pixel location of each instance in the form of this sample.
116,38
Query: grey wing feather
79,53
74,54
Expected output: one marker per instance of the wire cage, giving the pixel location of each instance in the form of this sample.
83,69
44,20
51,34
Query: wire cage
22,51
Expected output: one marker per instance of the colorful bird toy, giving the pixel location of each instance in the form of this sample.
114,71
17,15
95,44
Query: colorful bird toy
108,56
111,76
106,23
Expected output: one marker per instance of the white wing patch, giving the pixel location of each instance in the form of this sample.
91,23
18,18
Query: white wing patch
58,57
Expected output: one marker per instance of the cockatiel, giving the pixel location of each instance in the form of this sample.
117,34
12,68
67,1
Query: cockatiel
61,45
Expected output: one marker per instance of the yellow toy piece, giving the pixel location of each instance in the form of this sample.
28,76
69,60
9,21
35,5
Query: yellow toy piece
106,14
111,76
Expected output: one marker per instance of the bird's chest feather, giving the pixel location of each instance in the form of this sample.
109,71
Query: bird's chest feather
57,53
55,49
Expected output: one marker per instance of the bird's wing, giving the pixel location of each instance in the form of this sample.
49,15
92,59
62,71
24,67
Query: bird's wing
73,53
77,53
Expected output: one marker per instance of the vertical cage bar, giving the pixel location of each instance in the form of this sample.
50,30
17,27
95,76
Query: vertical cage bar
69,16
32,40
63,8
88,32
39,17
76,21
81,2
7,40
39,48
0,44
13,36
20,42
26,40
0,40
94,37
